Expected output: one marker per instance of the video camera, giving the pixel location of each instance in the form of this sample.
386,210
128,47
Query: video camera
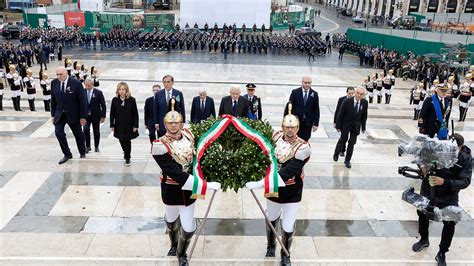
429,155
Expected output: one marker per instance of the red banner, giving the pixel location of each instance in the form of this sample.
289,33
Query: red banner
74,18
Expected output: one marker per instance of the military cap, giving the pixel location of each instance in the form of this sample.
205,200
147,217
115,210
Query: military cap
251,86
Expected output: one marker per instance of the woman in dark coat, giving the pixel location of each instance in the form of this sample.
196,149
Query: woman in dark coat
124,119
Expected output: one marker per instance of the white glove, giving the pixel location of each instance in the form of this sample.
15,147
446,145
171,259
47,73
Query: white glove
254,184
214,186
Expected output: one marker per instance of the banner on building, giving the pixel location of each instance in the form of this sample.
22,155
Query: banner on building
56,21
74,19
135,21
281,20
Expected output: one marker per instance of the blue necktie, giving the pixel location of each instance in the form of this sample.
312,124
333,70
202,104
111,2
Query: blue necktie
356,109
305,97
88,97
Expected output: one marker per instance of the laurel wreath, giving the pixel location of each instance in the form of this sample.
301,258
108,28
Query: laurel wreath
233,159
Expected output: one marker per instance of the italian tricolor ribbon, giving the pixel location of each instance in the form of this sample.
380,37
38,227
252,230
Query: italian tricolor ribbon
271,180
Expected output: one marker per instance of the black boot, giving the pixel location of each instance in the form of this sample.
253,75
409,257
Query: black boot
47,105
271,238
14,103
371,99
287,240
441,258
417,114
389,97
420,245
1,102
18,99
379,99
414,114
173,233
31,102
461,113
183,243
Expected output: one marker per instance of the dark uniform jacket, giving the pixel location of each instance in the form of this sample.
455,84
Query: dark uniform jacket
455,178
255,107
123,118
428,121
173,175
292,174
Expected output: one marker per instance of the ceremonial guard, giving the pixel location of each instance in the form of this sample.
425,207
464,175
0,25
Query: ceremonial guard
68,65
466,93
369,86
387,86
14,81
417,95
292,153
388,94
84,73
95,77
45,84
255,106
75,73
433,87
29,82
379,87
174,154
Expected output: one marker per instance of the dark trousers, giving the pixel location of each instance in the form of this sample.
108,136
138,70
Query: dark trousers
95,130
350,145
126,147
446,235
41,65
61,136
151,132
305,132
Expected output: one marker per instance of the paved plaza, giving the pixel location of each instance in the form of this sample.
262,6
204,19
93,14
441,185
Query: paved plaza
96,211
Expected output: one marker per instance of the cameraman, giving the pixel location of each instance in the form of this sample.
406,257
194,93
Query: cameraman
447,183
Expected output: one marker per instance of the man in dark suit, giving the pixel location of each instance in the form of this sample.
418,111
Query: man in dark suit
351,119
305,103
162,104
202,107
96,112
68,106
429,123
234,104
349,93
255,106
149,119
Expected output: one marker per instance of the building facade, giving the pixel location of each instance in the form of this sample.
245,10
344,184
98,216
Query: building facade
391,8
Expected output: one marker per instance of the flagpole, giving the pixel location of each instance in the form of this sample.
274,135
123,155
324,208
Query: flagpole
270,224
201,226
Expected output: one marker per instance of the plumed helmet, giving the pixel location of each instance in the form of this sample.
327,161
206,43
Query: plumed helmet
29,72
468,75
290,120
68,62
12,67
451,78
93,70
45,75
390,71
421,84
173,116
436,82
382,73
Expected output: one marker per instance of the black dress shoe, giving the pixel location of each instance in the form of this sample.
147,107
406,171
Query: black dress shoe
420,245
83,156
64,159
88,149
97,149
441,259
335,157
348,164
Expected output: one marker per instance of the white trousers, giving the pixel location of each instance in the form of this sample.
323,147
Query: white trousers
371,94
287,211
31,96
1,92
463,104
16,93
185,213
46,97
